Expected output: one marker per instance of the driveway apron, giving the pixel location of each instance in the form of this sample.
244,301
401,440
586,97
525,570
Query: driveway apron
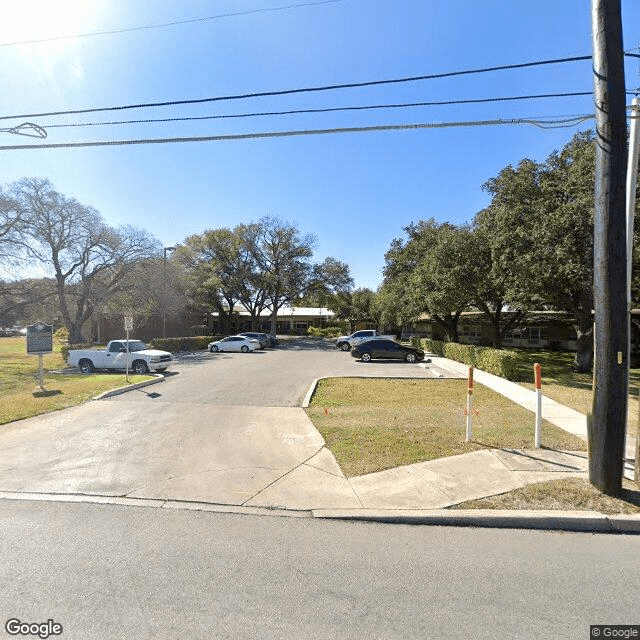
222,428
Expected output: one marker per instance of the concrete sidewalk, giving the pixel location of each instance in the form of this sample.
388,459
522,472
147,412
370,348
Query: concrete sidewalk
420,492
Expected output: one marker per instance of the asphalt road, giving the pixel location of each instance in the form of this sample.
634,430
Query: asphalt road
268,378
105,571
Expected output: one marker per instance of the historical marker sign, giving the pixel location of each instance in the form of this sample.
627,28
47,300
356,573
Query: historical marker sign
39,338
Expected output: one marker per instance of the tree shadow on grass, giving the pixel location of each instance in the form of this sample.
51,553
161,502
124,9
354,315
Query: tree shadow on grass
46,393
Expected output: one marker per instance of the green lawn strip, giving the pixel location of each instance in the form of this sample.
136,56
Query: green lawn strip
567,387
570,494
20,395
373,424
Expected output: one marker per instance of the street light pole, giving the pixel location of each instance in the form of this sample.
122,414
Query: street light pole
164,285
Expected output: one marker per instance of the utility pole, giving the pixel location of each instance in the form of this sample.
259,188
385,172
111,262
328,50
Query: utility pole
606,425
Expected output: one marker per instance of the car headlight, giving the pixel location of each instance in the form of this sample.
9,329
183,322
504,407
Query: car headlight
155,359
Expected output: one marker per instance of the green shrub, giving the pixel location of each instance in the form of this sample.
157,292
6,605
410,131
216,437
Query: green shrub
327,332
499,362
416,342
61,335
176,345
464,353
65,348
433,346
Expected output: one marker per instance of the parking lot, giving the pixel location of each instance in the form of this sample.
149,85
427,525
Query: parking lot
266,378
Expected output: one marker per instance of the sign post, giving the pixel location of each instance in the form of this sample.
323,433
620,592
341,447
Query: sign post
128,326
469,405
39,342
538,376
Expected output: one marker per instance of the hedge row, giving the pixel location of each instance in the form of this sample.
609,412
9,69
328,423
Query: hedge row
176,345
499,362
327,332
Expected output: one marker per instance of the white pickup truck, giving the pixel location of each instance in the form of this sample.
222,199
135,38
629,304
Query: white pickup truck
346,342
140,359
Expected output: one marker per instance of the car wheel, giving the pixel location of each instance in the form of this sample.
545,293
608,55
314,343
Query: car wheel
366,357
86,366
214,348
345,346
140,367
410,357
244,348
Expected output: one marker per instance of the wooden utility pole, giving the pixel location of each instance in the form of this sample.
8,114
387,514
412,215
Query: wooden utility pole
606,425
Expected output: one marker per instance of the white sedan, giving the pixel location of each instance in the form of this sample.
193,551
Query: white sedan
234,343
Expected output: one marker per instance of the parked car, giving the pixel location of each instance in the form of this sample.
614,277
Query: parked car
344,343
264,339
234,343
121,354
388,349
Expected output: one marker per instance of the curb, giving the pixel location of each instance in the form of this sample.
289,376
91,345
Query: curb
575,521
131,387
580,521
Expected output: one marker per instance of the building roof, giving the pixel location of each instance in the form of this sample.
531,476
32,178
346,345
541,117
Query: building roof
294,312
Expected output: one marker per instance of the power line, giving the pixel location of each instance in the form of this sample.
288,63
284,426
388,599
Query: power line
262,94
168,24
567,122
326,110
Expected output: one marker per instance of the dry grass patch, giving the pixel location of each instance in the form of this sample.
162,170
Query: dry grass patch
20,395
570,494
373,424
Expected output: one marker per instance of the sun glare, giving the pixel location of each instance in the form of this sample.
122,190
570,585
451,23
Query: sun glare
40,19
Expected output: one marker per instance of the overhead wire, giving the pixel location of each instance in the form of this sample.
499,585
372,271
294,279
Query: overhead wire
281,92
306,132
167,24
325,110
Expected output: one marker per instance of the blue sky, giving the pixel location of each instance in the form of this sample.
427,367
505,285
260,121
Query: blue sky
354,191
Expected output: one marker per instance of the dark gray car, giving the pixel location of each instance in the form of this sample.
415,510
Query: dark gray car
388,349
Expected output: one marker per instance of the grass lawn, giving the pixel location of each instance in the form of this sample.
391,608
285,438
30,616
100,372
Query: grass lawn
565,386
566,495
372,424
20,395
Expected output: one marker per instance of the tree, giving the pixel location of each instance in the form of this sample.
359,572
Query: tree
356,307
11,217
221,271
88,259
540,226
283,256
428,273
330,278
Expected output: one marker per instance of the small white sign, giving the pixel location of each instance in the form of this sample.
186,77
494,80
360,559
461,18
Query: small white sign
128,323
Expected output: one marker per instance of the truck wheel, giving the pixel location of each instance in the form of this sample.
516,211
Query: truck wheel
140,367
345,346
86,366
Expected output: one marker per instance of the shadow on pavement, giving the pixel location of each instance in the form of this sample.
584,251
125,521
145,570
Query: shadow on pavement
307,344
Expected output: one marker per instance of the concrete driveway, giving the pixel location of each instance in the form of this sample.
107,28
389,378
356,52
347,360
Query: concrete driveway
222,428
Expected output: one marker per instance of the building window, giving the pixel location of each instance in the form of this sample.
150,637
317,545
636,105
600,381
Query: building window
469,331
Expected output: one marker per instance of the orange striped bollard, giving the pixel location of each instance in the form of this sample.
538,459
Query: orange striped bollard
470,405
538,376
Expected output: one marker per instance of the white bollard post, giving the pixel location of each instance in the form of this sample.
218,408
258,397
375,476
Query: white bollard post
470,405
538,377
